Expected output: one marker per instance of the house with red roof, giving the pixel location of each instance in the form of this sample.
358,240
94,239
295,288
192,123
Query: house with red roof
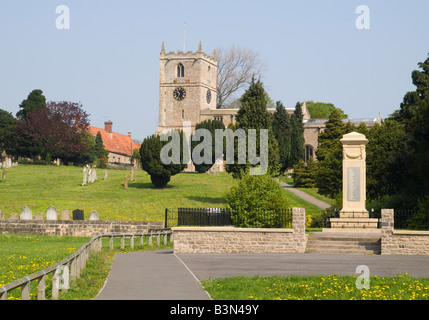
119,146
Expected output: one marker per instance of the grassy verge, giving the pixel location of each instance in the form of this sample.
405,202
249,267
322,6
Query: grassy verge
21,255
329,287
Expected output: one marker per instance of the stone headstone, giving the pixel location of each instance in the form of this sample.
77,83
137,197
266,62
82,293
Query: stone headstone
94,216
85,176
132,175
94,175
65,215
4,175
38,216
1,215
26,214
51,214
14,217
105,175
78,214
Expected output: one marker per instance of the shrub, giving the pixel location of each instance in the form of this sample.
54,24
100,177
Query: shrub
256,200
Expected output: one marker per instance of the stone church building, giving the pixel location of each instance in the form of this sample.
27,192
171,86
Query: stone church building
187,93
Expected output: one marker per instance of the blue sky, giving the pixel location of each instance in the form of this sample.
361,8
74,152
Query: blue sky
109,59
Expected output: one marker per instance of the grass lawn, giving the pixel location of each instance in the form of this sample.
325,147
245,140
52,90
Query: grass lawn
330,287
39,187
22,255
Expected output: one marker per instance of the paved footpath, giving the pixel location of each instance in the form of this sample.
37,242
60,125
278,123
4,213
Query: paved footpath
163,275
151,275
305,196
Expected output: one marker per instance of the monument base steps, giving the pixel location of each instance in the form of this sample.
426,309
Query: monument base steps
344,243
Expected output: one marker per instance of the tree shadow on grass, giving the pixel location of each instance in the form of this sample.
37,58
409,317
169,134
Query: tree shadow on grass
213,200
147,185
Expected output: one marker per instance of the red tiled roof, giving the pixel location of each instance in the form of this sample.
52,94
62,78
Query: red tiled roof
115,142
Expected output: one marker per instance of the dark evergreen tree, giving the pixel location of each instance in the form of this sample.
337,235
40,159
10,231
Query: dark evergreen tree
35,101
150,153
7,133
330,156
282,133
253,114
297,150
212,126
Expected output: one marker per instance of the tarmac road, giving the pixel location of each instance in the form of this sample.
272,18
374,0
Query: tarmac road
163,275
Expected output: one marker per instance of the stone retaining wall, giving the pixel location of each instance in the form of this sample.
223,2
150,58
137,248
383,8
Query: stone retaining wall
401,242
237,240
76,228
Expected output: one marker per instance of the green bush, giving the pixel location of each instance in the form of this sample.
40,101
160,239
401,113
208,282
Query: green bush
254,200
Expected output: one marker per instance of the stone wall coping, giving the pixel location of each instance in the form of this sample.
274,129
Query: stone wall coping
411,232
231,229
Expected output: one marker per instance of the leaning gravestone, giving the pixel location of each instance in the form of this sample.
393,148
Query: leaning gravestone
78,214
26,214
65,215
51,214
94,216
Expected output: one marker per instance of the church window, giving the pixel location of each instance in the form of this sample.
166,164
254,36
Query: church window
180,70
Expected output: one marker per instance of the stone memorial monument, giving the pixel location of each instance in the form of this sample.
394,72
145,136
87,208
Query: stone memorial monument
354,216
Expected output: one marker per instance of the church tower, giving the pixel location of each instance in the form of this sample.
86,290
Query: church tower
187,86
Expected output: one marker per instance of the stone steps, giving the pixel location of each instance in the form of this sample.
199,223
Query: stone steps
343,243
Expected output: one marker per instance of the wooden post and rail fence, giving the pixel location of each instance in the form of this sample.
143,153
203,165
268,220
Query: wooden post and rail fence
71,267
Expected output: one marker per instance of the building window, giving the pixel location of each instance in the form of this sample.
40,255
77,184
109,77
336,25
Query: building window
180,70
309,152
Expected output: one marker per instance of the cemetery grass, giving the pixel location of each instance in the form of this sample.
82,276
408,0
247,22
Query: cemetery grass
39,187
22,255
330,287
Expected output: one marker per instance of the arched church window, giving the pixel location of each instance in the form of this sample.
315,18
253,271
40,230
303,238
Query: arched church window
180,70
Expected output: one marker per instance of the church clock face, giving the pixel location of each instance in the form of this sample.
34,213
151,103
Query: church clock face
179,94
209,96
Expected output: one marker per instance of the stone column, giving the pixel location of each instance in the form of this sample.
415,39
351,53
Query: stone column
354,176
354,214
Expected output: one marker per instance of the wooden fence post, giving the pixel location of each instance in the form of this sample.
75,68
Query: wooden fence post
41,288
25,290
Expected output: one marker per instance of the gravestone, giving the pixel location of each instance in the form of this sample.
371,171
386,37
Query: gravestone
354,216
85,176
26,214
4,175
78,214
132,175
65,215
105,175
51,214
14,217
1,215
38,216
94,216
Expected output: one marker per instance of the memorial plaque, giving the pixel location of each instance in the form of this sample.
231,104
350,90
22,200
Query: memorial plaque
353,184
78,214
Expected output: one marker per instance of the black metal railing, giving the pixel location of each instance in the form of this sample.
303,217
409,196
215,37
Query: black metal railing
411,219
218,217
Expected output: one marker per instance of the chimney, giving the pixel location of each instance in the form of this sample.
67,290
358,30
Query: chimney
108,126
129,134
